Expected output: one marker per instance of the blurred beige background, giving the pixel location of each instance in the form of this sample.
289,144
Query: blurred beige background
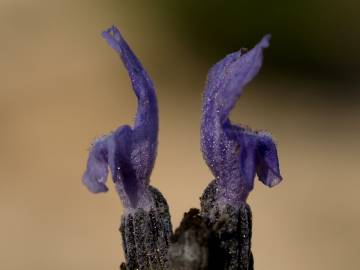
61,86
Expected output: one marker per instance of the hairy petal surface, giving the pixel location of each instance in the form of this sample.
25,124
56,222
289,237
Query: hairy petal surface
130,152
234,153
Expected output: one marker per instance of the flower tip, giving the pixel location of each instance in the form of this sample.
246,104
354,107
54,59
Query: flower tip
111,30
94,186
113,37
271,178
275,181
265,41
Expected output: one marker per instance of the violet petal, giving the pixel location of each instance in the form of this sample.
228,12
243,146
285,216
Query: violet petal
233,153
268,169
97,169
131,152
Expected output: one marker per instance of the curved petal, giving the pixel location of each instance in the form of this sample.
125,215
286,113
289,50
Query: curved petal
147,114
268,169
97,170
258,155
227,79
130,152
240,73
233,153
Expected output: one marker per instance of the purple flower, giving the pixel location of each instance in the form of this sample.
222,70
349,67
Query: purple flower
129,152
235,153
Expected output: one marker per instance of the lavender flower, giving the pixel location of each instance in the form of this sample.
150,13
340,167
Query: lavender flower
235,153
219,236
130,154
129,151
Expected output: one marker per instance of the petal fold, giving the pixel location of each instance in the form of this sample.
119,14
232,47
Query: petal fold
97,170
268,169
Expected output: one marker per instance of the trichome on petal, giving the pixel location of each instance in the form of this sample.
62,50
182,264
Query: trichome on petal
235,153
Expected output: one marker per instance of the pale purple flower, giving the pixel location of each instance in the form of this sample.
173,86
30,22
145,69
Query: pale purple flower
235,153
129,152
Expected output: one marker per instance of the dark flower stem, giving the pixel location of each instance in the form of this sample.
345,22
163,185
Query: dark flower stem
146,236
231,231
199,244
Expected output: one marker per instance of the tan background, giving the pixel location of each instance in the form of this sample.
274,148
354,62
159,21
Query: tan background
61,86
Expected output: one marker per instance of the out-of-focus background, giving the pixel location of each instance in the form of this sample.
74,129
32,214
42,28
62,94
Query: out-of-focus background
61,86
